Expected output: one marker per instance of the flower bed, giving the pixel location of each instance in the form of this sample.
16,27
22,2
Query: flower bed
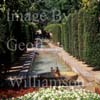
97,86
5,94
60,93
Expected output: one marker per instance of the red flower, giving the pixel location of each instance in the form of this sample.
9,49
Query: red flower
97,90
15,93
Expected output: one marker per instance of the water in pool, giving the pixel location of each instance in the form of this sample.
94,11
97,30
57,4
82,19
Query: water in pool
45,60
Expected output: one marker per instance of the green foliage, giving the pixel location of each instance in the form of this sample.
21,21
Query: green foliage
2,36
60,93
55,29
69,31
75,34
66,33
80,32
22,31
80,35
96,51
90,32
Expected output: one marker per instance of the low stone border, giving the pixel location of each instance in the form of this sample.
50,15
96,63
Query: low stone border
76,65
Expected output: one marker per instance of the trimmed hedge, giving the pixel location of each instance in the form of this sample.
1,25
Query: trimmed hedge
69,31
80,32
89,34
23,32
79,35
56,30
75,34
65,35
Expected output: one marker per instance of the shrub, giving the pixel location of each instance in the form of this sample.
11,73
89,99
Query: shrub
55,29
75,34
60,93
80,32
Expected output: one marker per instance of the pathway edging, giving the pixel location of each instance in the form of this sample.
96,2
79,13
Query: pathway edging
76,65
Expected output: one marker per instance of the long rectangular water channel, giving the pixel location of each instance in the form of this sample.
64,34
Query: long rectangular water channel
45,60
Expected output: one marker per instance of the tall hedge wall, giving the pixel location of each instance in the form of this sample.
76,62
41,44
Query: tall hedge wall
65,36
75,34
79,35
89,35
80,32
22,32
55,29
